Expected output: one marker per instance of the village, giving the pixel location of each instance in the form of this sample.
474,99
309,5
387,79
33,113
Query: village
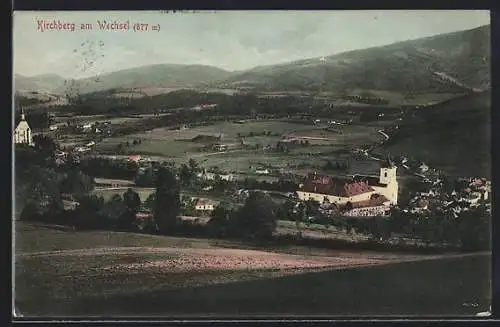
349,196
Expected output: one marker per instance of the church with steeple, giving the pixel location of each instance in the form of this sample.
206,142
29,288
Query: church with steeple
22,133
360,190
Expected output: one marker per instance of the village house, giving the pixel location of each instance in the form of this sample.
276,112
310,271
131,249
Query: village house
262,171
208,176
471,198
82,149
378,205
205,205
219,147
22,133
87,126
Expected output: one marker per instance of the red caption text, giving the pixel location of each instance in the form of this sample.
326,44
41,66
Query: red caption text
102,25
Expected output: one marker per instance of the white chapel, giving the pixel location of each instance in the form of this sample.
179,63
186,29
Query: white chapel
22,133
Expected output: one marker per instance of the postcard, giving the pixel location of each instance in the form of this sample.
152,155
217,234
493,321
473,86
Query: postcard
251,164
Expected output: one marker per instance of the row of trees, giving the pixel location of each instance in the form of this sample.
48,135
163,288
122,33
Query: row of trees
256,219
227,105
109,168
470,230
40,184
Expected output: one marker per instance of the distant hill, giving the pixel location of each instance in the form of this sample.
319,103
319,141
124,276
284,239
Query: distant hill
444,63
165,75
449,63
41,83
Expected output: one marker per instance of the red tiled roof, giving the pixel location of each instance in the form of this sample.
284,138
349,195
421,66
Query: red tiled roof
371,180
337,187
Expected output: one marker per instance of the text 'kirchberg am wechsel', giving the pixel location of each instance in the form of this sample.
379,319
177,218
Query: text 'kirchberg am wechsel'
101,25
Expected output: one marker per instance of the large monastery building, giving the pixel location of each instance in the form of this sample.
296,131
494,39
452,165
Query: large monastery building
357,192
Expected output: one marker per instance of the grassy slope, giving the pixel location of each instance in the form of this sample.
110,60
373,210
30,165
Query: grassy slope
32,238
404,66
454,136
151,75
438,287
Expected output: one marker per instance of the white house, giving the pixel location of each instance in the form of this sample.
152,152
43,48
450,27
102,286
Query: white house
22,133
207,176
382,210
423,168
262,171
87,126
205,205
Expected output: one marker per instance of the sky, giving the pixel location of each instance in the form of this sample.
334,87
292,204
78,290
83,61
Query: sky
231,40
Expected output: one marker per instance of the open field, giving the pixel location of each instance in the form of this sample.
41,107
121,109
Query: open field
177,145
165,142
111,273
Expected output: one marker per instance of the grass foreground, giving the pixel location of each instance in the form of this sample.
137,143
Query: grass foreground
64,273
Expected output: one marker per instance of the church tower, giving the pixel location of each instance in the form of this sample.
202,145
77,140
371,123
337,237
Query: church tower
22,133
388,177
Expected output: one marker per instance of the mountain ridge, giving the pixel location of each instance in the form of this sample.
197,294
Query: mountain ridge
441,63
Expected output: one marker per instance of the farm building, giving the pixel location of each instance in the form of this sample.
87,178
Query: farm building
378,205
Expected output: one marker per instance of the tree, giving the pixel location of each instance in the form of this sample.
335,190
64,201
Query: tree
186,175
219,222
193,166
86,214
300,216
45,145
112,212
132,201
30,212
475,229
188,206
40,184
219,184
380,228
77,183
150,201
146,178
167,201
348,206
256,219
